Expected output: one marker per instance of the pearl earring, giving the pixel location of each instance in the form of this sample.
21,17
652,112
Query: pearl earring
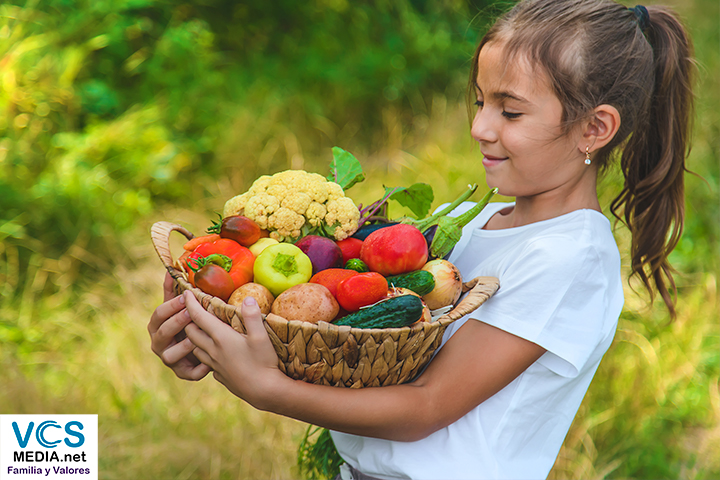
587,156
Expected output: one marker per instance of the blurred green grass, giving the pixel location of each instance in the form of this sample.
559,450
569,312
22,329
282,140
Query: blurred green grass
93,152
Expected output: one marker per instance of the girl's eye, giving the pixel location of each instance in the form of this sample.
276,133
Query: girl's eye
479,103
510,115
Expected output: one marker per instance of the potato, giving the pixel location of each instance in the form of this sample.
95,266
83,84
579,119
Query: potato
308,302
261,294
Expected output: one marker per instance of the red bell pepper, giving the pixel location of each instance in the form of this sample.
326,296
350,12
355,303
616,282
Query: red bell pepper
242,258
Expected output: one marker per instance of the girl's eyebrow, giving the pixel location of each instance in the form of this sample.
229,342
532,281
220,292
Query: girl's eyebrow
504,95
508,95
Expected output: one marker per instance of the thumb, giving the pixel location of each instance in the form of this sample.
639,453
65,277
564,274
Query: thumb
252,318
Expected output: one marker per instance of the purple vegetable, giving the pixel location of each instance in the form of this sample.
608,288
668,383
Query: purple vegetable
323,252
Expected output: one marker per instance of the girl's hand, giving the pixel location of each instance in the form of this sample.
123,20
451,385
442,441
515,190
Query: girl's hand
167,338
246,364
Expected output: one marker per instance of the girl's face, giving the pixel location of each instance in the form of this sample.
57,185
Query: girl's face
517,125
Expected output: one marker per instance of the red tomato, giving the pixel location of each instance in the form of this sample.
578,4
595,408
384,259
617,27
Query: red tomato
241,229
350,248
242,258
394,250
214,280
331,277
360,290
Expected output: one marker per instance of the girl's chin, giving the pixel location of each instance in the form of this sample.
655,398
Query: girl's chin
505,188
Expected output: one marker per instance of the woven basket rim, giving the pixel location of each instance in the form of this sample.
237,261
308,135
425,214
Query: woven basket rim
482,287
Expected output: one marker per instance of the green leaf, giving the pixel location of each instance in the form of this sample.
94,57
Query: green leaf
345,169
417,197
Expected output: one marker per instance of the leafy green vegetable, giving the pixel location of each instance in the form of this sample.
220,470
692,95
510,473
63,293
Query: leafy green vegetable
428,222
318,459
345,169
417,197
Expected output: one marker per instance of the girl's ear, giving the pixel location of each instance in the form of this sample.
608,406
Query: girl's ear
601,128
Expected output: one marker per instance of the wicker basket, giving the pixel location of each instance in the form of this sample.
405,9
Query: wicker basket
328,354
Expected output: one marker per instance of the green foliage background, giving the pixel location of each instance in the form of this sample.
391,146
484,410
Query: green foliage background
115,114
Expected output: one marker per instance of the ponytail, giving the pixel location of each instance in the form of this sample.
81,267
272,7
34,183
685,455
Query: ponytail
651,202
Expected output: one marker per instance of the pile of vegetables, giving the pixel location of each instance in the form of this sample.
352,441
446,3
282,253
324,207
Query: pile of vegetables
302,248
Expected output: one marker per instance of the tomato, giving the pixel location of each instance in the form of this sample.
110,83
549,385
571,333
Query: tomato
350,248
281,266
242,258
360,290
331,277
239,228
394,250
214,280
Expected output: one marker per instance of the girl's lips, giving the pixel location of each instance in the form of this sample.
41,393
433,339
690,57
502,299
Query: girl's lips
490,161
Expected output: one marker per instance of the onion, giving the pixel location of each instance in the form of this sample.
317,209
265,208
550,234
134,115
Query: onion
448,284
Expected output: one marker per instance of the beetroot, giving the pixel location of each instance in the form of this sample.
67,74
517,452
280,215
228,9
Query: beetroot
323,252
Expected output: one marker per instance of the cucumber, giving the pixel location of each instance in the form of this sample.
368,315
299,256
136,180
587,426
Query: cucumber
420,281
394,312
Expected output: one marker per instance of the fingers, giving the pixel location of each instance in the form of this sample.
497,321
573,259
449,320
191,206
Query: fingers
168,340
164,312
208,322
203,357
198,372
168,333
168,291
200,339
252,318
186,370
173,354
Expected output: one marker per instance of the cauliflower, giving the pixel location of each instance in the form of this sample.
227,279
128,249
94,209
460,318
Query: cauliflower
285,223
343,215
315,214
259,207
295,203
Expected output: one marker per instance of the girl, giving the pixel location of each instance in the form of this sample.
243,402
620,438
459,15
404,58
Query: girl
560,86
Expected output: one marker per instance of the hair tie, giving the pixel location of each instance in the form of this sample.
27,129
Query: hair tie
642,17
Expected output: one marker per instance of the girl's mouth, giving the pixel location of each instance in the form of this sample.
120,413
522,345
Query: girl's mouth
490,161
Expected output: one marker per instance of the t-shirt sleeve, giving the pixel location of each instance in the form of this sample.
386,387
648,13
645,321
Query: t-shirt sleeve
553,294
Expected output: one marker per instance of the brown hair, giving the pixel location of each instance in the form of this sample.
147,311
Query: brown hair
594,52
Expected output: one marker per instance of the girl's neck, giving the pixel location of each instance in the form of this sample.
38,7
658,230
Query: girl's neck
544,206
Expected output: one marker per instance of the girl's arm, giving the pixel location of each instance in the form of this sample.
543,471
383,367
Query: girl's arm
478,361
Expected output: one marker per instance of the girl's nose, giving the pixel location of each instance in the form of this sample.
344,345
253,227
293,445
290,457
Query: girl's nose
483,129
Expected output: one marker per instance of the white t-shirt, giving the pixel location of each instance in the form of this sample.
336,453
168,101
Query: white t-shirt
561,288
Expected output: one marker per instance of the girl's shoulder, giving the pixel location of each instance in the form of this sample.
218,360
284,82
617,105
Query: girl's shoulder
578,236
570,242
564,242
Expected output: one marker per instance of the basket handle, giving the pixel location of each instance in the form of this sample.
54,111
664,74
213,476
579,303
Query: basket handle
479,290
160,234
